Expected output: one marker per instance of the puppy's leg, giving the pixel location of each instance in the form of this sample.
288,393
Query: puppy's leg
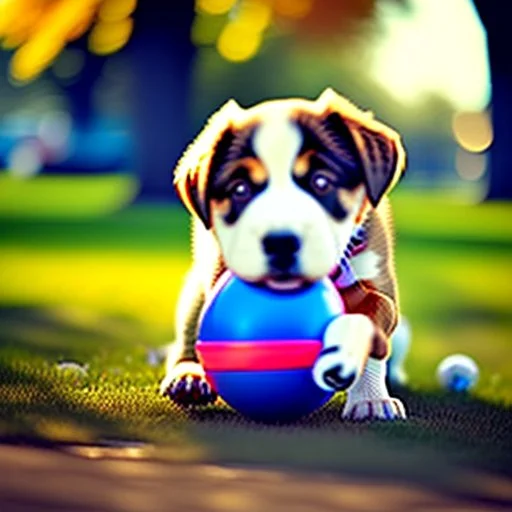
369,398
185,381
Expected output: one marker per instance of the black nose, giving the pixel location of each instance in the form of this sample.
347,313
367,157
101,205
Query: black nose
281,243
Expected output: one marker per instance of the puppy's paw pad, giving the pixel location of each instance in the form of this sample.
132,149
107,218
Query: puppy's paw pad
186,385
386,409
190,391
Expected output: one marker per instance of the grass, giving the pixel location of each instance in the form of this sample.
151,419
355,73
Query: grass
95,284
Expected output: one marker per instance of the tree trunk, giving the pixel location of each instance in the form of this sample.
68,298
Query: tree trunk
80,92
162,57
494,16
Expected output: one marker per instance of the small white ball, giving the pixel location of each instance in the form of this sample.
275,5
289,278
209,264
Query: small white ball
457,372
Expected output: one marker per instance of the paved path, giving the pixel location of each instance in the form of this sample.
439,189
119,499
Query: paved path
90,479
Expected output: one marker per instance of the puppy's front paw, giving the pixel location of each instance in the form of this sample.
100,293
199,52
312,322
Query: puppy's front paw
346,346
334,372
378,409
186,385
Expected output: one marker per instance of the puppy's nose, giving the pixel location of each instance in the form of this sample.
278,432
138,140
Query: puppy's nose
281,243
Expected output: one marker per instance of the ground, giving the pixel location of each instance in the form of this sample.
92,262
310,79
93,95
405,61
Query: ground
85,281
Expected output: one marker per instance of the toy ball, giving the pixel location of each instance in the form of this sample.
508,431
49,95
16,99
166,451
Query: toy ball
258,346
457,373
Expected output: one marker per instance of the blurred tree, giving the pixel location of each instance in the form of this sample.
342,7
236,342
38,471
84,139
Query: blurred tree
79,89
496,20
162,49
162,57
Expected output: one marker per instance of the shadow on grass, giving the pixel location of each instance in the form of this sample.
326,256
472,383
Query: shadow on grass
442,429
443,432
37,400
33,408
58,333
41,406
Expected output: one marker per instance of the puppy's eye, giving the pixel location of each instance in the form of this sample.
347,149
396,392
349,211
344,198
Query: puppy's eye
321,182
240,190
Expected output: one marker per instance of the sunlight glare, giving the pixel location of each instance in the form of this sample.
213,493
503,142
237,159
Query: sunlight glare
438,47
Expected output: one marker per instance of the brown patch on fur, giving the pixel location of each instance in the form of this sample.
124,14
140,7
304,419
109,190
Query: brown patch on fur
363,210
380,345
257,172
348,198
363,298
222,207
302,164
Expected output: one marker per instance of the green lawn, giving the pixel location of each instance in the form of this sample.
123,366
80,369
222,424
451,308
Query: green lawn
84,279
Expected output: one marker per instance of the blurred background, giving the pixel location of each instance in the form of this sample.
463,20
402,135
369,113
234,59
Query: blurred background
98,98
102,87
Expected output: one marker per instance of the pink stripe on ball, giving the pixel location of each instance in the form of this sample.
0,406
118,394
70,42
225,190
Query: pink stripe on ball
258,355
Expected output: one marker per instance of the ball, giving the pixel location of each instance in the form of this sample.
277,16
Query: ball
457,372
258,346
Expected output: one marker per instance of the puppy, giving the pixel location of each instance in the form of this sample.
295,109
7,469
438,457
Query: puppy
283,194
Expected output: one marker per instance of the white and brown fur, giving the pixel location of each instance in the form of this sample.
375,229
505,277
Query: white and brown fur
312,170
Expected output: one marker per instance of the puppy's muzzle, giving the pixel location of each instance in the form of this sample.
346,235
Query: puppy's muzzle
281,249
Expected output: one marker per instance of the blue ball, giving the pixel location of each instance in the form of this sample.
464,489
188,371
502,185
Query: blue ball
258,346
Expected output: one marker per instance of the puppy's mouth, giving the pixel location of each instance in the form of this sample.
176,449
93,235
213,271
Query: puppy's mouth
285,279
285,282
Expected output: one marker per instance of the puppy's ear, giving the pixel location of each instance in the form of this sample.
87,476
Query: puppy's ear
379,147
202,155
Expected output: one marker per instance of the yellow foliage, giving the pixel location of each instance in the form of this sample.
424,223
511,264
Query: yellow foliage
215,6
237,44
245,23
34,56
116,10
39,29
254,15
109,37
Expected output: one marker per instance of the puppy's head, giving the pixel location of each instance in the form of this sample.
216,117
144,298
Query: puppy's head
282,184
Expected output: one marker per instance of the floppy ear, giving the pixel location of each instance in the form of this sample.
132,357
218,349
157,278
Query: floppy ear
194,167
379,147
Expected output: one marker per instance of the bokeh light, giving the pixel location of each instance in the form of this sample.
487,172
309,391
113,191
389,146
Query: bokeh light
237,29
109,37
116,10
26,159
470,166
34,56
473,130
294,9
242,36
215,6
238,44
69,63
254,15
54,131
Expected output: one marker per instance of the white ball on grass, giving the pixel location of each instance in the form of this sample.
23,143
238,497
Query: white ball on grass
457,372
